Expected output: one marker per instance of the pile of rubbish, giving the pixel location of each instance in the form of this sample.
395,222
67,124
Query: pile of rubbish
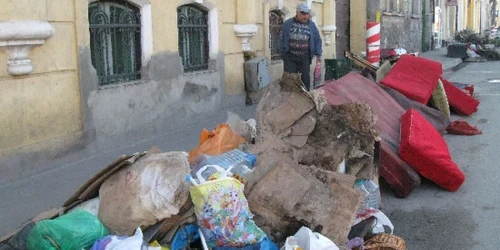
471,37
304,174
473,47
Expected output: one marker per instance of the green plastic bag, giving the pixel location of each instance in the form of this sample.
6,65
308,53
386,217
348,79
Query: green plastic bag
73,231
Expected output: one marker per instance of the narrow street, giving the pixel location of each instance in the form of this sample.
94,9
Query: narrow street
432,218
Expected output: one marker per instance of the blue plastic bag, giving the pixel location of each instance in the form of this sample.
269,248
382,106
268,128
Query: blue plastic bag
265,244
182,236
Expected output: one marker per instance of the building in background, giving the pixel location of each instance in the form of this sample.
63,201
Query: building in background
404,23
108,73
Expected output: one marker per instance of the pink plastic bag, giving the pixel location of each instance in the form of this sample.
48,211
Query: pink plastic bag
317,73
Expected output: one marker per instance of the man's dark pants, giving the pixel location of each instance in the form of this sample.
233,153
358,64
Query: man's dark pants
299,64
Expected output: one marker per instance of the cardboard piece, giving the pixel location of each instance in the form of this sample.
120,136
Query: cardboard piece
293,195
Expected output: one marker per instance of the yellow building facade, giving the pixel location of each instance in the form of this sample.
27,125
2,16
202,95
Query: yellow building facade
469,15
65,102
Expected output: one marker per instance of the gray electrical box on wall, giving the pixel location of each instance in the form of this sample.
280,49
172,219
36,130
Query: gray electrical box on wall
257,74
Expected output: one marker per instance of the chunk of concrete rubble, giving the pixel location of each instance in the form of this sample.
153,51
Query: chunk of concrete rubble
295,182
289,112
293,195
341,133
305,125
340,130
297,141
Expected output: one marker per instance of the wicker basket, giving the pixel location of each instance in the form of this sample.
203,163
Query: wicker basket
385,242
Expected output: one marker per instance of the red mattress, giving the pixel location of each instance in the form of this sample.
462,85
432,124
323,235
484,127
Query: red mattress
423,148
414,77
354,87
460,102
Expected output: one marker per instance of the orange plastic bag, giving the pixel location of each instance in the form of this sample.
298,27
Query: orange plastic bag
220,140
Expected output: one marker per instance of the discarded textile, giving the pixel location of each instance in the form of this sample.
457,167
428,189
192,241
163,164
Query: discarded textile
462,128
425,150
436,117
415,77
384,69
440,100
467,88
459,101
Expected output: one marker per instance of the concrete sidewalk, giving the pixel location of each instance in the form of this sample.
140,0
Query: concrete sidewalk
433,218
440,56
23,199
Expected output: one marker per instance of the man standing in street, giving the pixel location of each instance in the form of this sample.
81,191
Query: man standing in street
299,43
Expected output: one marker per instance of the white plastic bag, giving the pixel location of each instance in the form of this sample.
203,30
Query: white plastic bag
401,51
246,129
307,240
131,243
382,224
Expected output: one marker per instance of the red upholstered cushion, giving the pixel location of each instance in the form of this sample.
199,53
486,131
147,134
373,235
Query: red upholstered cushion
414,77
423,148
461,102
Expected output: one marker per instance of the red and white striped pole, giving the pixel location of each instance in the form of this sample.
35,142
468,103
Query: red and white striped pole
373,43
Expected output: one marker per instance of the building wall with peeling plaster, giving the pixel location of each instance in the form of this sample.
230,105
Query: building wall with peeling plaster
41,111
59,107
405,27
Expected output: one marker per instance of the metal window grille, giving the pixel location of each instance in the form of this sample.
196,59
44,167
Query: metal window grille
115,41
192,23
276,19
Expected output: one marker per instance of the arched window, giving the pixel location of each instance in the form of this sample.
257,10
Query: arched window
192,24
276,19
115,41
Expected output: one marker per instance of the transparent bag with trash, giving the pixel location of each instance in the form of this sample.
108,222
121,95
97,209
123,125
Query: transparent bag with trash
240,162
73,231
245,128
